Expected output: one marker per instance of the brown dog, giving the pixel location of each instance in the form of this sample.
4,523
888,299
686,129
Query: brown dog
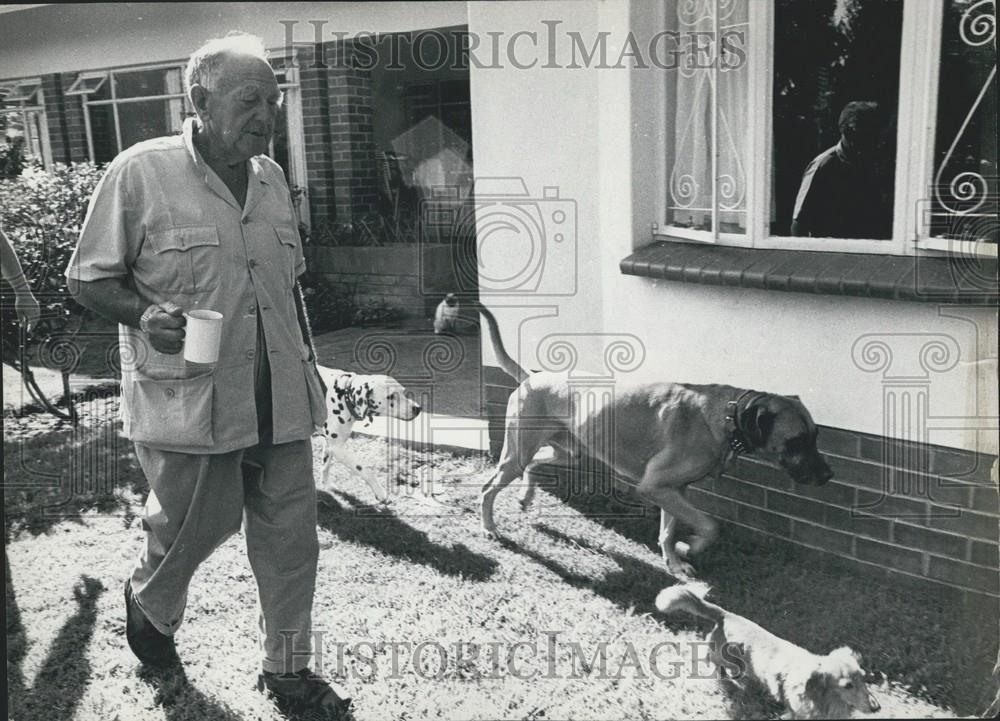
662,436
811,686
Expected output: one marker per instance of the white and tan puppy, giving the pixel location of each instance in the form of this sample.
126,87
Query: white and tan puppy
809,685
350,398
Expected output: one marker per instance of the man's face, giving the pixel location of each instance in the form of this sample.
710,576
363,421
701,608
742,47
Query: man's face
242,107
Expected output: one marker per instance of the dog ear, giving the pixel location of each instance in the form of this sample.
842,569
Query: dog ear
369,403
763,424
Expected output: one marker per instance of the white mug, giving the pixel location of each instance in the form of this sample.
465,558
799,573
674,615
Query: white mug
202,335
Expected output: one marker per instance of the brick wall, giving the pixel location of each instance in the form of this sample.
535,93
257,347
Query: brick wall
352,143
339,144
932,517
316,132
405,276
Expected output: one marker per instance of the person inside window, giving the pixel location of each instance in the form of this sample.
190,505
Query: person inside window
845,190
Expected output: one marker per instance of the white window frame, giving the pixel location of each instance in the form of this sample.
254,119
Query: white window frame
10,87
915,143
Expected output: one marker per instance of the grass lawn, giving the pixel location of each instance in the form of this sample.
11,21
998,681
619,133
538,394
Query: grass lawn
508,631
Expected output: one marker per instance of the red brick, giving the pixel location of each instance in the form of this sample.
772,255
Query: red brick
979,578
795,506
831,492
892,557
985,554
986,499
883,506
822,537
968,523
755,471
845,520
765,520
739,490
857,473
839,442
712,504
961,464
923,539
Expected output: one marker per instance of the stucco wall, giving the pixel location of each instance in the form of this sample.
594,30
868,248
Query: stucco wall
594,134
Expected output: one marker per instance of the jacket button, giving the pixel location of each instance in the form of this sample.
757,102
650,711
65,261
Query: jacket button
251,353
170,392
252,308
245,221
252,263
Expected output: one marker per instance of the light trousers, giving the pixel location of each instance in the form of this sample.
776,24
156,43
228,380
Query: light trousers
197,501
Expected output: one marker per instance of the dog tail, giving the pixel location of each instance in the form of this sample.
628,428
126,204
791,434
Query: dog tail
688,597
508,364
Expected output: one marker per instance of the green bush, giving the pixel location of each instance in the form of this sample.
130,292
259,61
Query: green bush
42,213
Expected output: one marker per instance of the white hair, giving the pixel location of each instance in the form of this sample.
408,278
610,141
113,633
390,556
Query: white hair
204,64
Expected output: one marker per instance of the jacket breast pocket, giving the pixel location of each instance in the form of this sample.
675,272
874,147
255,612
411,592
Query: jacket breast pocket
185,259
173,412
288,238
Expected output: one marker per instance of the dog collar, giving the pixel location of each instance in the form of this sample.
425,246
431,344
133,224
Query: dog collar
738,441
348,396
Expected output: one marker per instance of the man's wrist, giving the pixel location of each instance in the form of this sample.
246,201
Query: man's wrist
19,284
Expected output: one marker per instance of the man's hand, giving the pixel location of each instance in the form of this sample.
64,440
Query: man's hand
27,309
165,328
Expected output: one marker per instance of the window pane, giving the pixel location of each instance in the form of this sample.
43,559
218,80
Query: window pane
836,89
102,132
964,197
702,61
25,93
146,83
149,119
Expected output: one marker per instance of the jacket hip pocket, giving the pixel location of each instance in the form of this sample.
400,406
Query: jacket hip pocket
317,398
173,412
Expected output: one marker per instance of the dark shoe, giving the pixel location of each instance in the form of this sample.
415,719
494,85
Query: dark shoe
305,693
149,645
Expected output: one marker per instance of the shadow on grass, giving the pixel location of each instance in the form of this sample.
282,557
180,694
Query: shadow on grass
64,675
383,530
634,586
181,701
936,644
55,472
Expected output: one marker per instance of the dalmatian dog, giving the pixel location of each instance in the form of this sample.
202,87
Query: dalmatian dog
350,398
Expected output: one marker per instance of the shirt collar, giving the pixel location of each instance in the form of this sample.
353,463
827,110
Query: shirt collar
257,174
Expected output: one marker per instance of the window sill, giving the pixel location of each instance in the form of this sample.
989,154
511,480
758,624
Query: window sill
919,278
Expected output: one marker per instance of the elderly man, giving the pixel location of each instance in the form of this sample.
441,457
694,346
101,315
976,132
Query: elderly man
205,221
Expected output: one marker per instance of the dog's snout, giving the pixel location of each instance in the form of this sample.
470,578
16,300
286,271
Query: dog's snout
416,410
